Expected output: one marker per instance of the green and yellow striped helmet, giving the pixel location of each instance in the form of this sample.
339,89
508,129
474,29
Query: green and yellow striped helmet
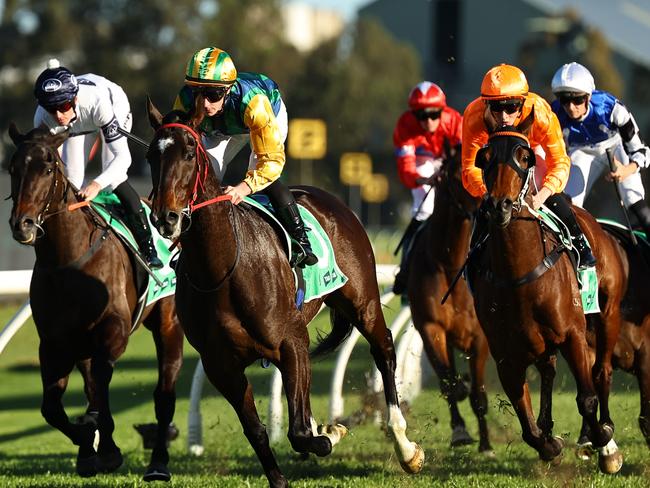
210,66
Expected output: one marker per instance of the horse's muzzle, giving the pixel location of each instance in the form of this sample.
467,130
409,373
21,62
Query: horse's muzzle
500,211
24,230
168,223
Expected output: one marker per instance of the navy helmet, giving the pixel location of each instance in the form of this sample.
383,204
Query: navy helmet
55,86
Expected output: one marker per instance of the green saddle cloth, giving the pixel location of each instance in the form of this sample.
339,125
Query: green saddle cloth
109,207
587,277
323,277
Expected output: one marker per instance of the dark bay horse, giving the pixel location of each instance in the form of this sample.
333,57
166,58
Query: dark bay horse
236,294
632,351
528,301
83,297
437,256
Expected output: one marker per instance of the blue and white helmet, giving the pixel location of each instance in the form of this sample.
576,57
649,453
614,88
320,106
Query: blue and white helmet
573,77
55,85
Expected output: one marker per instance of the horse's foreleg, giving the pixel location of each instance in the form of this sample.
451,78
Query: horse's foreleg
513,380
643,377
55,371
227,375
295,367
453,389
546,367
608,328
168,337
382,348
478,397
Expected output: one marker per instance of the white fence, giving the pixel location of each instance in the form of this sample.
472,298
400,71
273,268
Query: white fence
411,365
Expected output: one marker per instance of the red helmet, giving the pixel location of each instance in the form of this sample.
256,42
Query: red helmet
427,95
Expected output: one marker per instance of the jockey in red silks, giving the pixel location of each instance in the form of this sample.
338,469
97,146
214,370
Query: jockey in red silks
420,138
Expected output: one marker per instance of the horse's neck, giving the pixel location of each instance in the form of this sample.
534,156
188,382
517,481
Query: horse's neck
517,249
450,233
67,234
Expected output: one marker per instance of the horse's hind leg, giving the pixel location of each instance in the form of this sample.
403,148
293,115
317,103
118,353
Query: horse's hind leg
642,367
478,397
168,337
227,374
453,389
373,327
55,370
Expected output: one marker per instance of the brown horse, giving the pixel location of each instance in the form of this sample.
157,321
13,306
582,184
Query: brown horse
436,258
528,300
632,351
236,294
83,297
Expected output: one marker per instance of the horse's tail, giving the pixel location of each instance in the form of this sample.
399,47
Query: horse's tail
341,330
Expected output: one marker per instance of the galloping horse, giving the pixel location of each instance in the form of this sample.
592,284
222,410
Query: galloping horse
236,294
528,300
83,297
437,256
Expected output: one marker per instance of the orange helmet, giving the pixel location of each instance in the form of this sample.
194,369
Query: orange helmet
427,95
504,81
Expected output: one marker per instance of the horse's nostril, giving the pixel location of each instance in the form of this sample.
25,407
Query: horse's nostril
171,218
505,205
25,224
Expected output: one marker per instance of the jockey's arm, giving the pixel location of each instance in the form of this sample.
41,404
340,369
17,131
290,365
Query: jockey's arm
637,151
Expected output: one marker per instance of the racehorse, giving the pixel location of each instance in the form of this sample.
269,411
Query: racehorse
437,256
632,351
236,294
83,297
528,300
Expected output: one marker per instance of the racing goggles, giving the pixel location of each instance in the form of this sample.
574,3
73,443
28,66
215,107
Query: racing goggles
425,114
61,107
212,94
567,98
508,106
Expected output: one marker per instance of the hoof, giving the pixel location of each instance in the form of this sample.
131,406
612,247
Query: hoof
333,432
87,466
157,472
553,455
196,450
585,451
610,458
109,462
414,466
488,453
460,437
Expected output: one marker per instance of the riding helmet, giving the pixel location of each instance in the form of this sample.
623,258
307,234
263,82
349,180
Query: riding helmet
55,85
504,81
210,66
573,77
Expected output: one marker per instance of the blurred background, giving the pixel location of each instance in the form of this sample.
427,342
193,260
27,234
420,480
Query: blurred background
345,68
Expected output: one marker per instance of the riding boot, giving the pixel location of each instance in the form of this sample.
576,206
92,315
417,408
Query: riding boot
641,211
139,226
401,278
291,219
559,205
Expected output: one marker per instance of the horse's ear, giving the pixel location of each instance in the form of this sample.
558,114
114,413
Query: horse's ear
155,117
525,125
15,134
59,138
490,122
198,112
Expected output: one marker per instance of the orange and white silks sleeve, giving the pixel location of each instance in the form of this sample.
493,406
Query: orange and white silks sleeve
475,136
266,142
547,133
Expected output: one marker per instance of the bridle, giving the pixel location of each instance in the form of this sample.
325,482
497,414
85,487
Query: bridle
202,169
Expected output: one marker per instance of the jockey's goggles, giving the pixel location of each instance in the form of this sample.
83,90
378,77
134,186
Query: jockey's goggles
211,94
61,107
427,113
508,106
567,98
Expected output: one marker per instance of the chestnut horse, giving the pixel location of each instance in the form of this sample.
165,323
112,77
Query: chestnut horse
83,297
632,351
235,292
528,300
436,258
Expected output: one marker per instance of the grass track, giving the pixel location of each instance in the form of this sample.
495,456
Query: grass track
32,454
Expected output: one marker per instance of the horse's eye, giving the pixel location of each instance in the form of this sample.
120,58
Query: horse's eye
49,171
189,155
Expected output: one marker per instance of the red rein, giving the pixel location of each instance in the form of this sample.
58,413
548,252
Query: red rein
201,158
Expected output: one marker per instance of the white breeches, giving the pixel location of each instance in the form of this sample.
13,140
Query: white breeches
424,195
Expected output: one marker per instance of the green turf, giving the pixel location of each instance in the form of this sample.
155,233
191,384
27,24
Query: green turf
32,454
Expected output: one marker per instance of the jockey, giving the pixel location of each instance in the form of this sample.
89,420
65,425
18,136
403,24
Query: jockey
89,105
245,108
594,121
505,101
420,137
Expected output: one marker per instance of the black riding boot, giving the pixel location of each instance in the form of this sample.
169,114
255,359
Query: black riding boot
291,219
401,278
559,205
642,213
139,226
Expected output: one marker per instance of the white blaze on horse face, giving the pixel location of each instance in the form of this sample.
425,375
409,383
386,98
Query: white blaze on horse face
164,144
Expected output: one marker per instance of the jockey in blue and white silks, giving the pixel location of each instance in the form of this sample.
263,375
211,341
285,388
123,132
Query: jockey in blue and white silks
594,121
